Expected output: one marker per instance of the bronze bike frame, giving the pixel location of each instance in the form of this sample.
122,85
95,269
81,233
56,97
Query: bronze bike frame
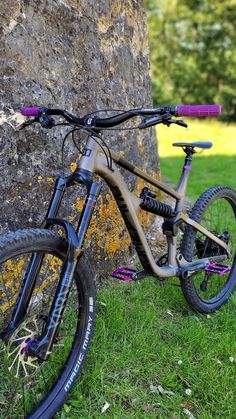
94,162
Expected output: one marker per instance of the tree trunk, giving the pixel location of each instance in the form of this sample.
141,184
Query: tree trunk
76,55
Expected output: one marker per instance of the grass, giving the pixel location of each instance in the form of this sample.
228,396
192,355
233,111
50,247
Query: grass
146,334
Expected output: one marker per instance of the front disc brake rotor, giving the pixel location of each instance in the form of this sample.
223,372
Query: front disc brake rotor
20,363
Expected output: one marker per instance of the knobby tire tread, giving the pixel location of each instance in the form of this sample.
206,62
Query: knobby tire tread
32,240
187,248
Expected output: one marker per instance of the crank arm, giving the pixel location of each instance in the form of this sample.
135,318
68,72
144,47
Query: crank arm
192,268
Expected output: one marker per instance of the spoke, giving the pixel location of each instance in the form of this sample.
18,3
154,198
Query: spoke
23,391
45,381
216,219
43,279
38,378
16,349
5,290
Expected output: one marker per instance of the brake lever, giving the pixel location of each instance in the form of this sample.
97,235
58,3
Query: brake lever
165,118
179,122
149,122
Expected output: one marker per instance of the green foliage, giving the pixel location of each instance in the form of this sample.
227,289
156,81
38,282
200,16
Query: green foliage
193,51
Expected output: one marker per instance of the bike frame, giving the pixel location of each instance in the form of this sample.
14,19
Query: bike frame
91,163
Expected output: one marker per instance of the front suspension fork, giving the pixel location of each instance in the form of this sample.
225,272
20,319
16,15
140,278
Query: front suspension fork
42,347
36,260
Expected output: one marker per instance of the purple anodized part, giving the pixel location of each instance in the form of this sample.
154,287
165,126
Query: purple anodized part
187,167
198,110
124,273
217,268
29,111
25,349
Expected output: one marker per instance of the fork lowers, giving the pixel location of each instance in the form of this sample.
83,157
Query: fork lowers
150,204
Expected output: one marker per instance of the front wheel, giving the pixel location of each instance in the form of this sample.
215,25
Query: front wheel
215,209
29,387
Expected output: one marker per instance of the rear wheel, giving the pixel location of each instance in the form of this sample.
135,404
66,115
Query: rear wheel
29,387
215,210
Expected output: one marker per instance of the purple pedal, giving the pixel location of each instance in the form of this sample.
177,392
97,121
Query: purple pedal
124,273
217,268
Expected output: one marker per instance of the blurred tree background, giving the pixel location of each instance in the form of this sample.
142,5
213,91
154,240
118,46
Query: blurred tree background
193,52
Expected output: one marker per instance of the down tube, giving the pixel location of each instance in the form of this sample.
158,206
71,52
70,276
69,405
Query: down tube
128,204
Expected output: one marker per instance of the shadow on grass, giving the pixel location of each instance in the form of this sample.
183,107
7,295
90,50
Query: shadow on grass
206,172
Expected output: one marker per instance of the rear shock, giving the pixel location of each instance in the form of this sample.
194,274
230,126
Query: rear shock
150,204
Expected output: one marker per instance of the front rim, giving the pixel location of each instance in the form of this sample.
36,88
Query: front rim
25,381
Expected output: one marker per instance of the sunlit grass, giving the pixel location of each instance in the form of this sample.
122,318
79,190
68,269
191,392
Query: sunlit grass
222,135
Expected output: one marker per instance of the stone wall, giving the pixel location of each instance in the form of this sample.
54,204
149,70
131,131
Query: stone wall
79,55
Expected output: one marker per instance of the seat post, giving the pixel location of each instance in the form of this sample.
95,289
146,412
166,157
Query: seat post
183,181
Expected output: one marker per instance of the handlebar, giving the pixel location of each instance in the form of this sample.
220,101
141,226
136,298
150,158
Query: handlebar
117,119
161,114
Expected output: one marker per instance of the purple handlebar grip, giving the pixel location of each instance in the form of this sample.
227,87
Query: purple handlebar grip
29,111
198,110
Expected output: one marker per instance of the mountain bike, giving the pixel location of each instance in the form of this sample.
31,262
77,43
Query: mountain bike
47,288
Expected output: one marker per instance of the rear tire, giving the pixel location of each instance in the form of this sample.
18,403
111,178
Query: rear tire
62,369
215,209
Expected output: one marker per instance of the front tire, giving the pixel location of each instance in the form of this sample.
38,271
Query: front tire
215,209
41,392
